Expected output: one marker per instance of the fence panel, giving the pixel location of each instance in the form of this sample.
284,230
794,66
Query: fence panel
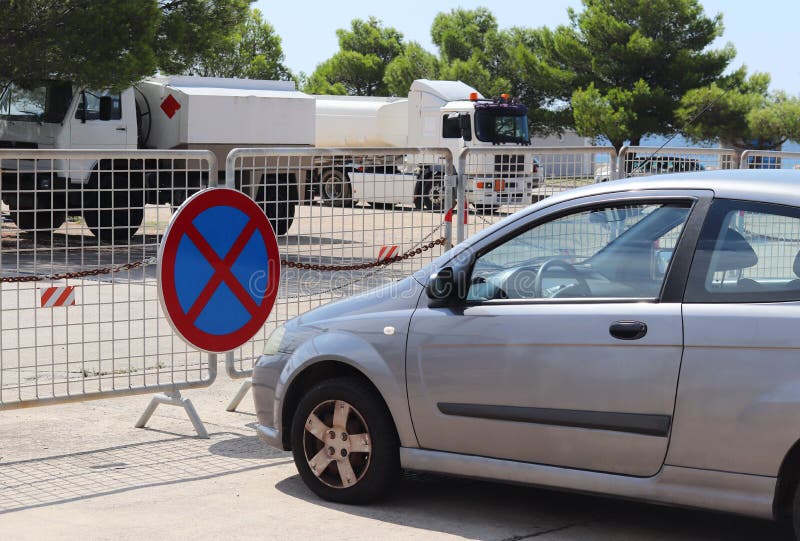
346,221
645,161
79,310
763,159
499,181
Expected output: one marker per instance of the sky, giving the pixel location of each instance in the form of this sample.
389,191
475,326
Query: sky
763,32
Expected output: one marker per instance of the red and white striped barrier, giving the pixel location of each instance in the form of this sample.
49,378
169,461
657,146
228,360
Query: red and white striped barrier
387,252
58,296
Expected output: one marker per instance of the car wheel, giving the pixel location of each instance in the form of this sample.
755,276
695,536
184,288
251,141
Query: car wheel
344,442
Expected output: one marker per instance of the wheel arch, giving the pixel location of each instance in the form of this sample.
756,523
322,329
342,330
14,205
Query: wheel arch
788,479
310,376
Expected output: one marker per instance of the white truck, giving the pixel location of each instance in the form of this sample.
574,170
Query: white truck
188,113
221,114
443,114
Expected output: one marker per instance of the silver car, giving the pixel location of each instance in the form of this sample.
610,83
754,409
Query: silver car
638,338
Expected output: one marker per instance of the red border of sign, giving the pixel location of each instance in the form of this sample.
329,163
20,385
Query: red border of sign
183,218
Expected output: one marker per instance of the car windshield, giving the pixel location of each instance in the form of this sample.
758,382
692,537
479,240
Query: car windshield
495,125
47,102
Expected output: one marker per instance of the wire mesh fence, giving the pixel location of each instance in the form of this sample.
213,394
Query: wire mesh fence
79,310
499,182
763,159
346,222
645,161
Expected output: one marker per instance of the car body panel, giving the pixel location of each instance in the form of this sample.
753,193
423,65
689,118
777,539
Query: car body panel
738,406
722,491
518,355
355,332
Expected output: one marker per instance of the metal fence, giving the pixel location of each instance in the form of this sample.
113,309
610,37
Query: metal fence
346,222
79,312
644,161
763,159
498,182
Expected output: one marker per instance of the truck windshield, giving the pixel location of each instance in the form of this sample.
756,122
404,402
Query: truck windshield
497,125
45,103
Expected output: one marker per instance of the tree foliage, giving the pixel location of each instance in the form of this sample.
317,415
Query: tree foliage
462,33
112,43
252,51
414,63
358,68
740,112
633,61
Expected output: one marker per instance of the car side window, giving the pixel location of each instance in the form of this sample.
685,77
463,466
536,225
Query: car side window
747,252
620,251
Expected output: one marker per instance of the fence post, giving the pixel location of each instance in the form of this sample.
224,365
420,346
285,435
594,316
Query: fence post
743,157
461,195
450,183
621,157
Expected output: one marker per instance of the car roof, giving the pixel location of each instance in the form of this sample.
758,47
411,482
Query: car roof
780,186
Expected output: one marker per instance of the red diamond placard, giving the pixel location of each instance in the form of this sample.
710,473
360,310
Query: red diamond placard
170,106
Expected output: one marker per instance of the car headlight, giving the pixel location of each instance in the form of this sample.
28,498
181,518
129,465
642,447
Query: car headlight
272,347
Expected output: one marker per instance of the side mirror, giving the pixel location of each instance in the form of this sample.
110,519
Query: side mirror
106,105
465,125
441,287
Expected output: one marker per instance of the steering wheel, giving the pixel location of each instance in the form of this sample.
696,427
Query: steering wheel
582,287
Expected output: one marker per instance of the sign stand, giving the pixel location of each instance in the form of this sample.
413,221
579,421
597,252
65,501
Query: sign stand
218,275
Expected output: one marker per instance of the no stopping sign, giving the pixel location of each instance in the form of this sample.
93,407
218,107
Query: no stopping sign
218,270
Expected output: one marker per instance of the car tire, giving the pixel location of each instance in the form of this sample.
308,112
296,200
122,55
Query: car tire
795,513
348,469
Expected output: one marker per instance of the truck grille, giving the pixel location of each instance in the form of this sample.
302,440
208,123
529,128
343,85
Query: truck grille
509,163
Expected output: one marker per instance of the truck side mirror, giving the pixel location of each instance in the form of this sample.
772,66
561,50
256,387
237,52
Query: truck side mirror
106,105
465,125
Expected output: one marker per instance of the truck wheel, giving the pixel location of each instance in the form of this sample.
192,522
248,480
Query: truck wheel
42,218
113,206
433,194
278,198
335,188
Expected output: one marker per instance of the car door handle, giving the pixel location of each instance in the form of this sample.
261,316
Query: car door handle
628,330
122,128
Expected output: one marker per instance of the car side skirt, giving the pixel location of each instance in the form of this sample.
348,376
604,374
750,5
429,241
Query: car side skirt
741,494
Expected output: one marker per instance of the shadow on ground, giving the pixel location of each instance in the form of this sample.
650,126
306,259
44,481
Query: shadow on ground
41,482
474,509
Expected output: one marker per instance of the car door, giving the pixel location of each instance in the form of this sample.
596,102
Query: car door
738,402
567,348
